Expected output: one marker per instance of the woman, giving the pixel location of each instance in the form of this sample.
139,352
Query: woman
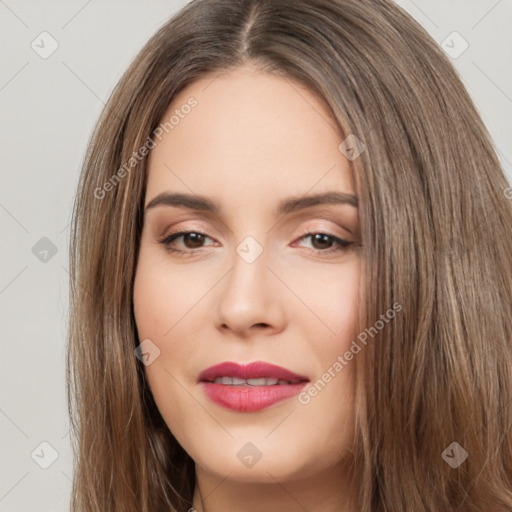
290,260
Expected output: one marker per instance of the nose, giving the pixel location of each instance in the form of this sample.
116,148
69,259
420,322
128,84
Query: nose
250,299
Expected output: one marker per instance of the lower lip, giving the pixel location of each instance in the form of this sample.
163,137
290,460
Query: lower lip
250,398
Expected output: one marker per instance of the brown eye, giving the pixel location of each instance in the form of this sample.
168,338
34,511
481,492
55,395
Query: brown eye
326,243
191,240
321,241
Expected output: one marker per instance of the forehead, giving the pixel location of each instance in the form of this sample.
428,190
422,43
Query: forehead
250,134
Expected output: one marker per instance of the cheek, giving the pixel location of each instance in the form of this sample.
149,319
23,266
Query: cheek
167,309
160,308
328,301
333,297
160,316
342,313
164,295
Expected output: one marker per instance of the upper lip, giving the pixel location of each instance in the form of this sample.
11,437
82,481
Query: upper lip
255,370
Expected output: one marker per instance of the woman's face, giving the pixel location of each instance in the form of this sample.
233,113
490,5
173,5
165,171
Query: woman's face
248,284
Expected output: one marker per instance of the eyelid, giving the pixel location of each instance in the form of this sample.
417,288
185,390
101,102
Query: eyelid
315,216
311,226
182,226
163,218
336,230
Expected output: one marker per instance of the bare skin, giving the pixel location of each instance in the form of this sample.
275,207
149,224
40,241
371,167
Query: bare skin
252,141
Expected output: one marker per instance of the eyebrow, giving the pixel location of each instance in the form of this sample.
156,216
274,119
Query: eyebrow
292,204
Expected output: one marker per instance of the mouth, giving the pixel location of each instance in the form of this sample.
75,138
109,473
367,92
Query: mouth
234,381
251,387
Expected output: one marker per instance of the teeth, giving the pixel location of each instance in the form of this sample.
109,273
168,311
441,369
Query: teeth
257,382
235,381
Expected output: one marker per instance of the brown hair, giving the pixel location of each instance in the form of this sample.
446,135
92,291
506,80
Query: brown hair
429,182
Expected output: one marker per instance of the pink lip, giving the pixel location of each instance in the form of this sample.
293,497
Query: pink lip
250,398
256,370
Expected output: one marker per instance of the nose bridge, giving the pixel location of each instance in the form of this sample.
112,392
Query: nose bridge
250,250
248,296
249,267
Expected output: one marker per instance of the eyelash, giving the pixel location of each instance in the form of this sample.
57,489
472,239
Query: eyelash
342,244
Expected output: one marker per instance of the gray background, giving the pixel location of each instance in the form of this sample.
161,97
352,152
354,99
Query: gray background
48,109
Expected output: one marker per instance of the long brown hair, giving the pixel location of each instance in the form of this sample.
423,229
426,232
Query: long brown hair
436,231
